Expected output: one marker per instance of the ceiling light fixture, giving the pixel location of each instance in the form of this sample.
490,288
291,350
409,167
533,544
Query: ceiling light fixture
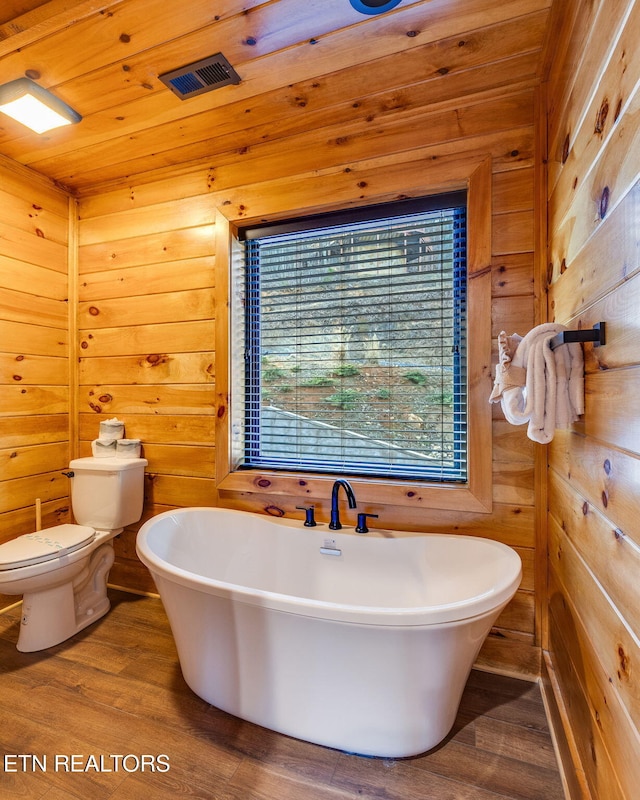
35,107
374,6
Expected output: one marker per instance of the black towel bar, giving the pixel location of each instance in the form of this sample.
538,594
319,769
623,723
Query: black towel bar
595,335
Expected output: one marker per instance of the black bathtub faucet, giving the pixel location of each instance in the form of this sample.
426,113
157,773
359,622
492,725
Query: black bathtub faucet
335,525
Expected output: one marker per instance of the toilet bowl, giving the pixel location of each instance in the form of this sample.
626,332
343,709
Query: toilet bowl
62,590
62,571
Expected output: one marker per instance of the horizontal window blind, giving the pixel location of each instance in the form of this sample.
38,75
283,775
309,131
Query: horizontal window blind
355,357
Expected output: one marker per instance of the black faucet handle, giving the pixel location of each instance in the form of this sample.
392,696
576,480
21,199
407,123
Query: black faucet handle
361,527
309,521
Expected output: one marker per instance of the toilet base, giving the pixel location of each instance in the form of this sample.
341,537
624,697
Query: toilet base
52,615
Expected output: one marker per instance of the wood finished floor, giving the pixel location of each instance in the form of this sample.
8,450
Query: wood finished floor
116,689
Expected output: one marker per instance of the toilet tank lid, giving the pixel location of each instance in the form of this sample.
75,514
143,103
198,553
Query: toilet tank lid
113,464
44,545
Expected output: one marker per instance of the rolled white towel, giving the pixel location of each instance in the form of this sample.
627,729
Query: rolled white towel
508,375
553,392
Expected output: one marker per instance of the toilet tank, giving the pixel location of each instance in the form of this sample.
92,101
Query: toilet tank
107,493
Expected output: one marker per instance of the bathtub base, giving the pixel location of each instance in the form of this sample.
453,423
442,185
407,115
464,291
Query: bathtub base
389,691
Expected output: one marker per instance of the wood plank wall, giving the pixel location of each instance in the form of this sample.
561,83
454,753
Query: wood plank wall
146,315
146,342
34,371
594,469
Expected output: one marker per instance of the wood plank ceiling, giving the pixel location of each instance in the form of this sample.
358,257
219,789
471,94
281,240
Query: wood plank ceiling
316,75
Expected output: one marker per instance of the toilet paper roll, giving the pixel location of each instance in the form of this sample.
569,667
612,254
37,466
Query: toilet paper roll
103,448
128,448
111,429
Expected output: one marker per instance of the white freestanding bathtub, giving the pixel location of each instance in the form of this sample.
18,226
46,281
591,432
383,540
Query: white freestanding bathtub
358,642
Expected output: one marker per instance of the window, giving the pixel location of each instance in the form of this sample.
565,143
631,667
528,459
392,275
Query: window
355,343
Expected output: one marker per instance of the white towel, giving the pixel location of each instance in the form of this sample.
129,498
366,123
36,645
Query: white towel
552,393
508,376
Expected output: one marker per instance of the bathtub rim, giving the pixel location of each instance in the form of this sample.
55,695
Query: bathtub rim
413,616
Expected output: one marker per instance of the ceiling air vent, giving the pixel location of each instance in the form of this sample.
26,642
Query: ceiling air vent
200,77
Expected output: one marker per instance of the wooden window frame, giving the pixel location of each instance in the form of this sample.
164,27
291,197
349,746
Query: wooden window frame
473,496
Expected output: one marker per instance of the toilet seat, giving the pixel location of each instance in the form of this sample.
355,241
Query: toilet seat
45,545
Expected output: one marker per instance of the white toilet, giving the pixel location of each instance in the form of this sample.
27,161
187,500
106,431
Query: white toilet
62,571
